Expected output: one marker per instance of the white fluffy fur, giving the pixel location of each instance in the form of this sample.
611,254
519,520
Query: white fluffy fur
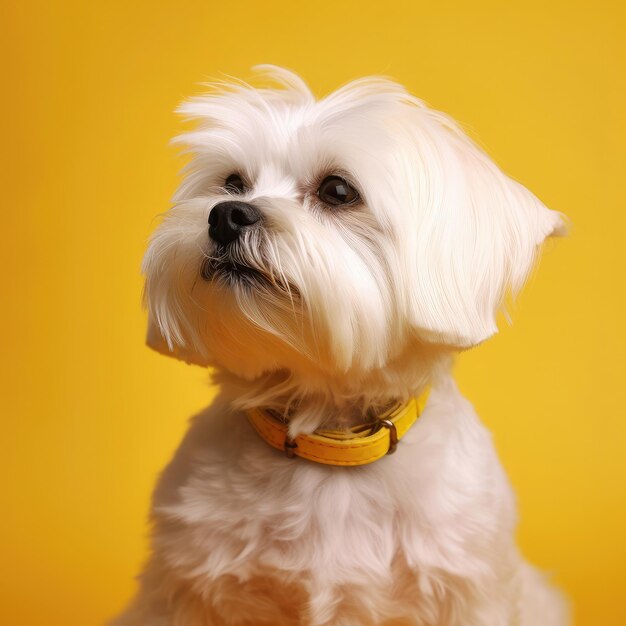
359,306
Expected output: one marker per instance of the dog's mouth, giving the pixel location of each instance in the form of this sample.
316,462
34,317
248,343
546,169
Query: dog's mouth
225,271
229,272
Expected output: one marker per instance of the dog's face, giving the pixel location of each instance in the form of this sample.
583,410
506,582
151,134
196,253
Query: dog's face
333,236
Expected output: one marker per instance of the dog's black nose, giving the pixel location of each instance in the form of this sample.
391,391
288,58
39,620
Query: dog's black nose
227,220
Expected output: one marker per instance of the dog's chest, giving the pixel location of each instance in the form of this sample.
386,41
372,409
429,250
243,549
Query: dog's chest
244,518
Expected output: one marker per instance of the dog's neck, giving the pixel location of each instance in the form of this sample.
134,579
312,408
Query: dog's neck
316,402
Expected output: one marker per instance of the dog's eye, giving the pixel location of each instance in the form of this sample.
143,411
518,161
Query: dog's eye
234,184
336,191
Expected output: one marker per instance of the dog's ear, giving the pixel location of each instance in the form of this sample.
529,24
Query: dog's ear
479,233
156,341
174,316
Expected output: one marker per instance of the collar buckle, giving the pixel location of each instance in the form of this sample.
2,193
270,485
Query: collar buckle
290,447
393,434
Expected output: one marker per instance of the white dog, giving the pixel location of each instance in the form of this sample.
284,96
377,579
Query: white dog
327,259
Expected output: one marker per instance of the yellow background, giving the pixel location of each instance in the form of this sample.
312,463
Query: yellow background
89,415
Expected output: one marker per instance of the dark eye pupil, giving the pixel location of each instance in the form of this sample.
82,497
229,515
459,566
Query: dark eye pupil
335,191
234,184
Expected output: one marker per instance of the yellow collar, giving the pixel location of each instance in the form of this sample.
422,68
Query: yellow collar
332,447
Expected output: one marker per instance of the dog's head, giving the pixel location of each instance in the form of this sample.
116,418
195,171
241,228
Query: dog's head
332,236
